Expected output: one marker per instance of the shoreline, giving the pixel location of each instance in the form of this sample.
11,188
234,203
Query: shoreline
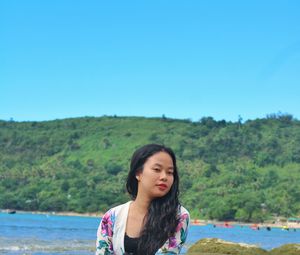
255,226
193,222
95,215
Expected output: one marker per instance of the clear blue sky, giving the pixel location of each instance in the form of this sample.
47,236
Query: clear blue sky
183,59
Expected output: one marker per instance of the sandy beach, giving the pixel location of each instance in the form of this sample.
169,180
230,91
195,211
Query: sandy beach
290,225
57,213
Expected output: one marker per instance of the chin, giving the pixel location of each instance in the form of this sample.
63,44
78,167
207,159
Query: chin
158,195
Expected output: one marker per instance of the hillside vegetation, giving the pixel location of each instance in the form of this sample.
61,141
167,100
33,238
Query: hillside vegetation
243,171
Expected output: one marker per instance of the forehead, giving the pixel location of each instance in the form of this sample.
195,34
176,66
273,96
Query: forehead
161,158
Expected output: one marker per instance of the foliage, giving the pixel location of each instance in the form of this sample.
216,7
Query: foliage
243,171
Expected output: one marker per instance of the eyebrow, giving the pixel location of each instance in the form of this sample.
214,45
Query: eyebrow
157,164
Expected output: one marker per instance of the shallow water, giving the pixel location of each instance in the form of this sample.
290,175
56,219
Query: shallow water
40,234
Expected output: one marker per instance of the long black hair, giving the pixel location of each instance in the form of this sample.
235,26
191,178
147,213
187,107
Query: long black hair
162,217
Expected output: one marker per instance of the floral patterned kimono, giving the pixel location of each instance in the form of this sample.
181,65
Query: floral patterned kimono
111,231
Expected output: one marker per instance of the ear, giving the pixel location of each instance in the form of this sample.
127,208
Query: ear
137,176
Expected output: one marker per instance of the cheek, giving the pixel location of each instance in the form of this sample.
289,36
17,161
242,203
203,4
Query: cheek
149,178
172,180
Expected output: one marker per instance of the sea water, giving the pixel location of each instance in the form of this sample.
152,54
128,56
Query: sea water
42,234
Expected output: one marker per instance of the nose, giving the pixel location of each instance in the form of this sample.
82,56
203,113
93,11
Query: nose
163,176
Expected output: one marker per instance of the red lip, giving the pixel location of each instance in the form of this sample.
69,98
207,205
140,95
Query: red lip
162,186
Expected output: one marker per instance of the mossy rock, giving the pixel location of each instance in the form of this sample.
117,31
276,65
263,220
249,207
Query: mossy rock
287,249
214,246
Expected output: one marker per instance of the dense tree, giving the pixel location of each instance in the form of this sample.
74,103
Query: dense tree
245,171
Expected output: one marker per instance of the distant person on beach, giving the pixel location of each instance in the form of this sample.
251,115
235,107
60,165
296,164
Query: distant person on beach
153,222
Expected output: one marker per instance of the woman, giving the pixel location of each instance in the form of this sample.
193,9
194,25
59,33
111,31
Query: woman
154,222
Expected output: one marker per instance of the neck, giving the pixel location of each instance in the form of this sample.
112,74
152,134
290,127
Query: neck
141,204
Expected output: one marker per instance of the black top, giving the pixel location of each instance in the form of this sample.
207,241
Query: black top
130,245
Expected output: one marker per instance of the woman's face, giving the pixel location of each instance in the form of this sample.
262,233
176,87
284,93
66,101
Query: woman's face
157,176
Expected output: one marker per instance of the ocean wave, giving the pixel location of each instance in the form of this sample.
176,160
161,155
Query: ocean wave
30,246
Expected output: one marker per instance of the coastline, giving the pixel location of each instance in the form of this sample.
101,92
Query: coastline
255,226
95,215
194,222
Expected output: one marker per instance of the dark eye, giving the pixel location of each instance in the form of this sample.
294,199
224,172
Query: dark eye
156,169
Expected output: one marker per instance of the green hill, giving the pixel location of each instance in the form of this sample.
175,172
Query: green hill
244,171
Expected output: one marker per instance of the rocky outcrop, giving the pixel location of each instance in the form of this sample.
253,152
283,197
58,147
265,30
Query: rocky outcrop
287,249
214,246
